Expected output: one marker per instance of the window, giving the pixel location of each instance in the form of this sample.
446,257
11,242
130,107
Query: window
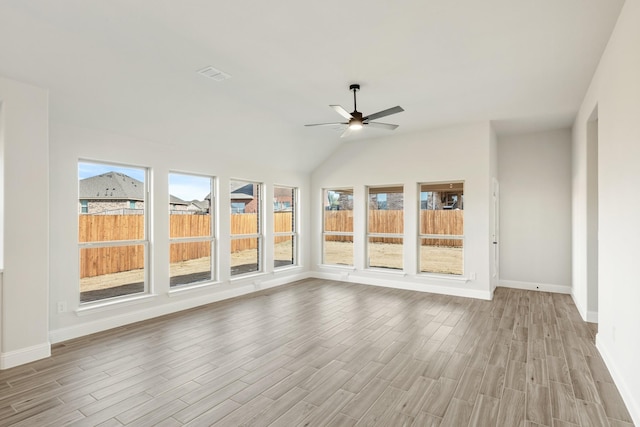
237,207
337,233
112,239
442,228
191,229
246,227
385,227
285,226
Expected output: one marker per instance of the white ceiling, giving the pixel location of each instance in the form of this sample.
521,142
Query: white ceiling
130,66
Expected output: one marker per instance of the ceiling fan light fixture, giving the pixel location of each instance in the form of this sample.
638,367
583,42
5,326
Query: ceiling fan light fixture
355,124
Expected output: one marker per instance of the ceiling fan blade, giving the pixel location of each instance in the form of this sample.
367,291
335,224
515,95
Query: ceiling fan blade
382,125
340,110
327,124
346,133
383,113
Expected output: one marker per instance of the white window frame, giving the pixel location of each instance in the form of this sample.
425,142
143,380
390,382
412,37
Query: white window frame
114,243
437,236
383,235
294,233
335,233
211,238
260,225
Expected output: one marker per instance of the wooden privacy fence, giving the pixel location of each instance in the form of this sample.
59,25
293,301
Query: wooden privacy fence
449,222
100,228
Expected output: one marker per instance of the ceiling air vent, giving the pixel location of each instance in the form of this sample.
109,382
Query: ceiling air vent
214,74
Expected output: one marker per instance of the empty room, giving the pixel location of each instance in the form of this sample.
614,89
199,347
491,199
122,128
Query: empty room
319,213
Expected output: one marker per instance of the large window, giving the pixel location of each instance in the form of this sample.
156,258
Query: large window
385,227
337,232
191,229
112,231
246,227
285,226
442,228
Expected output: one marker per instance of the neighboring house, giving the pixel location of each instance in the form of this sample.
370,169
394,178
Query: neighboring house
201,207
115,193
177,204
243,197
339,201
282,199
111,193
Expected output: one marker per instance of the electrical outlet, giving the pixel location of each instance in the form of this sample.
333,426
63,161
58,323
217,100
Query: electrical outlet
62,306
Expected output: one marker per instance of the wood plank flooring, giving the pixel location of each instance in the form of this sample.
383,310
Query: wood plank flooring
318,353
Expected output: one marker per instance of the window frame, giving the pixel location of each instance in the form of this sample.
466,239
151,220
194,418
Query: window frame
144,241
211,238
370,235
422,236
294,233
259,235
326,233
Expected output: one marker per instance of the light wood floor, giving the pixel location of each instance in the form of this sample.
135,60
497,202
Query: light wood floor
329,353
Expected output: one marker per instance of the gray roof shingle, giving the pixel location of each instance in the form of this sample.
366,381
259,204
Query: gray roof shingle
111,186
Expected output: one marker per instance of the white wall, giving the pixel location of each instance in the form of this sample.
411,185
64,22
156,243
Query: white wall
461,153
26,224
535,210
615,91
69,144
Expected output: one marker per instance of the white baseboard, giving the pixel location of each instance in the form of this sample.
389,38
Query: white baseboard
633,406
534,286
592,316
189,301
452,290
24,355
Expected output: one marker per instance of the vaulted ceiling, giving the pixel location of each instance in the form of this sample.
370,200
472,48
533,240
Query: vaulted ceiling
130,66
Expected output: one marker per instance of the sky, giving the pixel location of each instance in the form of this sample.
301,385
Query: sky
186,187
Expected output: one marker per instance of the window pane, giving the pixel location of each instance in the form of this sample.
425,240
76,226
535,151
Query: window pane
386,206
284,251
441,209
385,252
449,222
338,210
110,202
245,207
337,250
112,271
189,205
245,255
189,225
283,210
441,256
190,263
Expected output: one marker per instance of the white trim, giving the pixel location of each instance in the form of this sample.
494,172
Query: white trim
534,286
25,355
633,406
592,316
406,285
581,310
196,299
110,304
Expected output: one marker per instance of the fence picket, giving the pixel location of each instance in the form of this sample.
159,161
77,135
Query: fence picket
99,228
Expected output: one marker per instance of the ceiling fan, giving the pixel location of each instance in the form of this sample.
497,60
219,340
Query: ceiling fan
356,120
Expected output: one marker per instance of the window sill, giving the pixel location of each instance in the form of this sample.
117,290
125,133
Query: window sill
241,277
286,268
187,288
98,307
385,271
433,276
338,267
